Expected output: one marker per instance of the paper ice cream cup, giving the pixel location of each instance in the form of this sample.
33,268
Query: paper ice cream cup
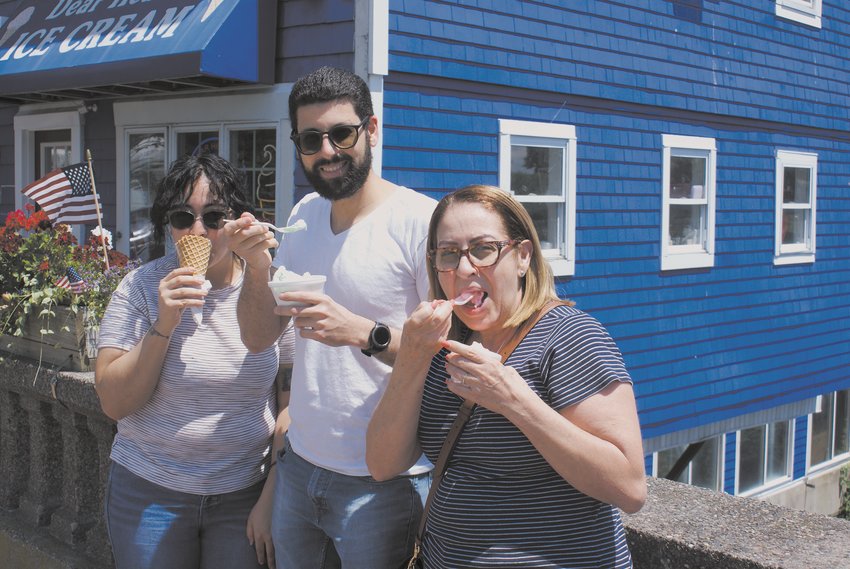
311,283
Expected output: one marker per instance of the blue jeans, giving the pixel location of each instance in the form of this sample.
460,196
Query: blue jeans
326,520
152,527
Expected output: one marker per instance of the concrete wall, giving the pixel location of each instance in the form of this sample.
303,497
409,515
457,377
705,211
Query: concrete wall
818,492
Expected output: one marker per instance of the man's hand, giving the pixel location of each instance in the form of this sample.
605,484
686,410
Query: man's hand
251,241
325,321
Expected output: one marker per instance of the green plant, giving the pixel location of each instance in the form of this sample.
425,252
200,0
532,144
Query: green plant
36,261
844,493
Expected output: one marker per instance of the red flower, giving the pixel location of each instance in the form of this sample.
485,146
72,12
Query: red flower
43,266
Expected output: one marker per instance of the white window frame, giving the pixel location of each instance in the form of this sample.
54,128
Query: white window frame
806,12
721,464
237,110
789,461
52,116
551,135
835,458
795,253
676,257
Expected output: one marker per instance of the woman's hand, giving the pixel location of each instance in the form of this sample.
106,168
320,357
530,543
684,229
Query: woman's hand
259,528
478,375
595,444
391,443
178,290
428,326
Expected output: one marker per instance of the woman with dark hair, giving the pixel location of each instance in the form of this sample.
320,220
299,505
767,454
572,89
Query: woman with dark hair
196,411
553,446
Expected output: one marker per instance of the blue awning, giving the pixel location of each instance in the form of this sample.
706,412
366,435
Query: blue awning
87,48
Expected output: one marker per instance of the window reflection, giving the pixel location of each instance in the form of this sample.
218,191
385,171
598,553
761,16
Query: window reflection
253,152
147,168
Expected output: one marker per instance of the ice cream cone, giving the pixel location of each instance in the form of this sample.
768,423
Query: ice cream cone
194,251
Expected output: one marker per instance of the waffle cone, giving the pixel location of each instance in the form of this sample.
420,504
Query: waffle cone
194,251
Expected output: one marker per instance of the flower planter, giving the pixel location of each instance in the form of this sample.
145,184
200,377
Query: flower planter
72,346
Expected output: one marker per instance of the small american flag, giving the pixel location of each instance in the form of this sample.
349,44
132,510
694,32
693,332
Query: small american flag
62,282
65,195
76,282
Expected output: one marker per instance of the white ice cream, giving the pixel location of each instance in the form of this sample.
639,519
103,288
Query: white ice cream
282,274
484,351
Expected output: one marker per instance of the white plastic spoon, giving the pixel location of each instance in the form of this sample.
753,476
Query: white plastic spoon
297,226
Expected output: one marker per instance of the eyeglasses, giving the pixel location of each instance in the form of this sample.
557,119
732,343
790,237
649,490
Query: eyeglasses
184,219
342,136
480,255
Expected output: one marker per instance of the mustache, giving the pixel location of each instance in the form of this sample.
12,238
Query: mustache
328,161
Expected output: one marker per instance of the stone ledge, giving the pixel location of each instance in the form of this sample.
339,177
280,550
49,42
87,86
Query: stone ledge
25,547
73,389
680,527
684,526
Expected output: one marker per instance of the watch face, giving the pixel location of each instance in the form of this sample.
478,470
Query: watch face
381,335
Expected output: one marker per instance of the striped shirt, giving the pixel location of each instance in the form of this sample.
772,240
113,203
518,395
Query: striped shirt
500,504
208,425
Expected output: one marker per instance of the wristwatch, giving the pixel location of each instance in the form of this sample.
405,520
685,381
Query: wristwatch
379,339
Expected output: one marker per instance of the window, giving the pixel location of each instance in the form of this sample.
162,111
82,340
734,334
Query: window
244,128
54,154
687,217
764,456
146,159
703,471
796,189
537,164
829,429
803,11
253,151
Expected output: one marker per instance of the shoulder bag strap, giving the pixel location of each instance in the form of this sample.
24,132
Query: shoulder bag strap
463,415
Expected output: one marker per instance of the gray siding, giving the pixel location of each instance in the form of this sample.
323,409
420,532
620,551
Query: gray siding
312,33
7,160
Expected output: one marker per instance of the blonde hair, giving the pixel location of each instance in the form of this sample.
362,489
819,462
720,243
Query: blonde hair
538,284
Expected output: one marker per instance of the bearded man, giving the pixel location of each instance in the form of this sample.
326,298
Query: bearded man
368,237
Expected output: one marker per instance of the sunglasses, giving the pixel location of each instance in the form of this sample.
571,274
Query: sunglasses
184,219
342,136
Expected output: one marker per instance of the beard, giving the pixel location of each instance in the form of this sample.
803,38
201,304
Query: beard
344,186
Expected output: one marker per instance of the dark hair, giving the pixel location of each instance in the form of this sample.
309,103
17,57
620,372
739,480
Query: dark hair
538,284
330,84
226,186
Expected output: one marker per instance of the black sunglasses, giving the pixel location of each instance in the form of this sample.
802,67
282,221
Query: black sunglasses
184,218
342,136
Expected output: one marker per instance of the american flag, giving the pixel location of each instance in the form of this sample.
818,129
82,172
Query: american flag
72,281
76,282
65,195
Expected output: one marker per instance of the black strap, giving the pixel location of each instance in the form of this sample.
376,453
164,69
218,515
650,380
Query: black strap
463,415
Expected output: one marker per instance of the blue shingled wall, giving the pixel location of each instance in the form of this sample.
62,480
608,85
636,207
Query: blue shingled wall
702,345
730,463
801,435
733,58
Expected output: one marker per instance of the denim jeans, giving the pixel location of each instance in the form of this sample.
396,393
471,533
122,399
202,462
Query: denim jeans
326,520
152,527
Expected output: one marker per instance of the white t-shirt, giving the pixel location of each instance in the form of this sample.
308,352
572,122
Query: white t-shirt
376,269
